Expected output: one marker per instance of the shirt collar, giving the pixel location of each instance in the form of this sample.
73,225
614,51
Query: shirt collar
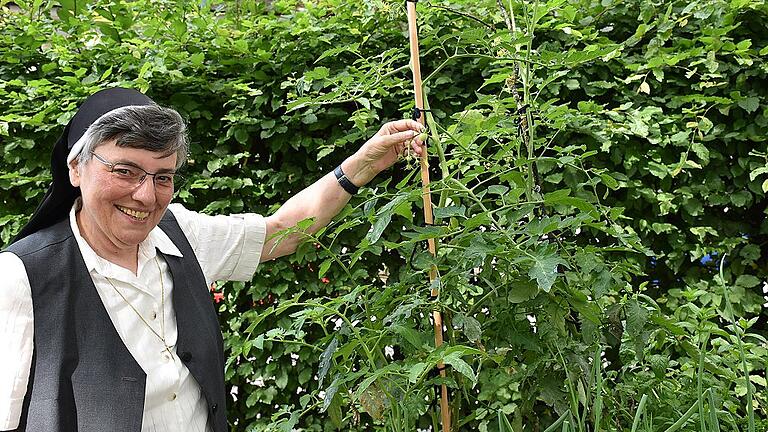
156,240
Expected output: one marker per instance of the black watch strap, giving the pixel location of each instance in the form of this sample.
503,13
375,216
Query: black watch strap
344,181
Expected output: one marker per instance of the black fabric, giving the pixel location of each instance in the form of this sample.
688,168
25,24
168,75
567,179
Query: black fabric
199,345
61,194
83,378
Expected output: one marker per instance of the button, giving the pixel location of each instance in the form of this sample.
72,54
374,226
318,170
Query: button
153,315
214,407
172,397
186,356
167,357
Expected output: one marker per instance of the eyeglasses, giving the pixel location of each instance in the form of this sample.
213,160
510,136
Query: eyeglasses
131,176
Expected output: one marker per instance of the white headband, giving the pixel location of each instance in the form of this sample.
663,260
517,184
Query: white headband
78,146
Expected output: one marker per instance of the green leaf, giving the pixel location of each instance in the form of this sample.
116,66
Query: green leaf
657,169
472,328
750,104
415,371
504,425
741,198
454,359
305,375
478,249
197,58
309,118
324,268
335,52
637,316
747,281
106,74
410,335
383,217
241,135
334,412
317,73
258,343
477,220
561,197
325,360
404,209
330,392
450,211
705,125
498,190
382,220
252,399
544,270
304,400
521,291
289,425
609,181
757,172
638,127
304,224
588,310
281,379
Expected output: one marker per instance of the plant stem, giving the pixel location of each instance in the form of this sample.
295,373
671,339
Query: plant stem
639,413
435,139
480,56
597,409
702,350
682,420
739,333
558,422
464,14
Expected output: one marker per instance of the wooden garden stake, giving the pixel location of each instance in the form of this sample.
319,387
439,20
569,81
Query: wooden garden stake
445,412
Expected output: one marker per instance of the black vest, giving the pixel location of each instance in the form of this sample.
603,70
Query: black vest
83,378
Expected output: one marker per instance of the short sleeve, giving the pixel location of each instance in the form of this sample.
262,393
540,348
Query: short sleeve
228,247
16,335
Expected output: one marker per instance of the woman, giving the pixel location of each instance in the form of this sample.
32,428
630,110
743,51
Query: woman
105,300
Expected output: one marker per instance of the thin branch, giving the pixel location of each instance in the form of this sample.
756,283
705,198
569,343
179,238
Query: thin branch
480,56
464,14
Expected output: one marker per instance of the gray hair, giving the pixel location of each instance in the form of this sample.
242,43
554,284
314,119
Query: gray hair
148,127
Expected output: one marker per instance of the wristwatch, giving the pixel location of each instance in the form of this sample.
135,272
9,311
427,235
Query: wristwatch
344,181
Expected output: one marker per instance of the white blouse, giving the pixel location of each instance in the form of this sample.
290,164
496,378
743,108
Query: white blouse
227,247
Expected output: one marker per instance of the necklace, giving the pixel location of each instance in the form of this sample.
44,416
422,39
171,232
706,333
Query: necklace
162,308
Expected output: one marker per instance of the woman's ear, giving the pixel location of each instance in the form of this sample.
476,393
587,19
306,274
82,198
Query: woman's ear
74,173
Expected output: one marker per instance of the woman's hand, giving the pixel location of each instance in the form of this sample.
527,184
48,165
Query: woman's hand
383,150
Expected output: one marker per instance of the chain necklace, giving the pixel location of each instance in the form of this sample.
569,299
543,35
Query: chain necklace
162,307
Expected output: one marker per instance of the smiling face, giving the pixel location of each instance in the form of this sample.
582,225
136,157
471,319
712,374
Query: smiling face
114,218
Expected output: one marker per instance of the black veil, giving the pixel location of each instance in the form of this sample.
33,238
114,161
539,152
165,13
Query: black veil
60,196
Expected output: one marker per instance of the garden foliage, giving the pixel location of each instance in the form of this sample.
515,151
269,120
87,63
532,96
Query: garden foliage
599,199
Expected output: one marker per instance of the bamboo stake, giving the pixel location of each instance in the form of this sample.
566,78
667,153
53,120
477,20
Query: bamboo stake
445,411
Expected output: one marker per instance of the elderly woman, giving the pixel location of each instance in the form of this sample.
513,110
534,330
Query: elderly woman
106,320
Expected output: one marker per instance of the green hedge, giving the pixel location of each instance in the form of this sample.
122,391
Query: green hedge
580,257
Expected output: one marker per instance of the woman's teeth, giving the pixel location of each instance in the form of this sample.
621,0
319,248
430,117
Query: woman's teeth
134,213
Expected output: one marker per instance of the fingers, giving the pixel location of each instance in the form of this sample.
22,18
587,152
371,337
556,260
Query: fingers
418,145
403,125
401,140
402,136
